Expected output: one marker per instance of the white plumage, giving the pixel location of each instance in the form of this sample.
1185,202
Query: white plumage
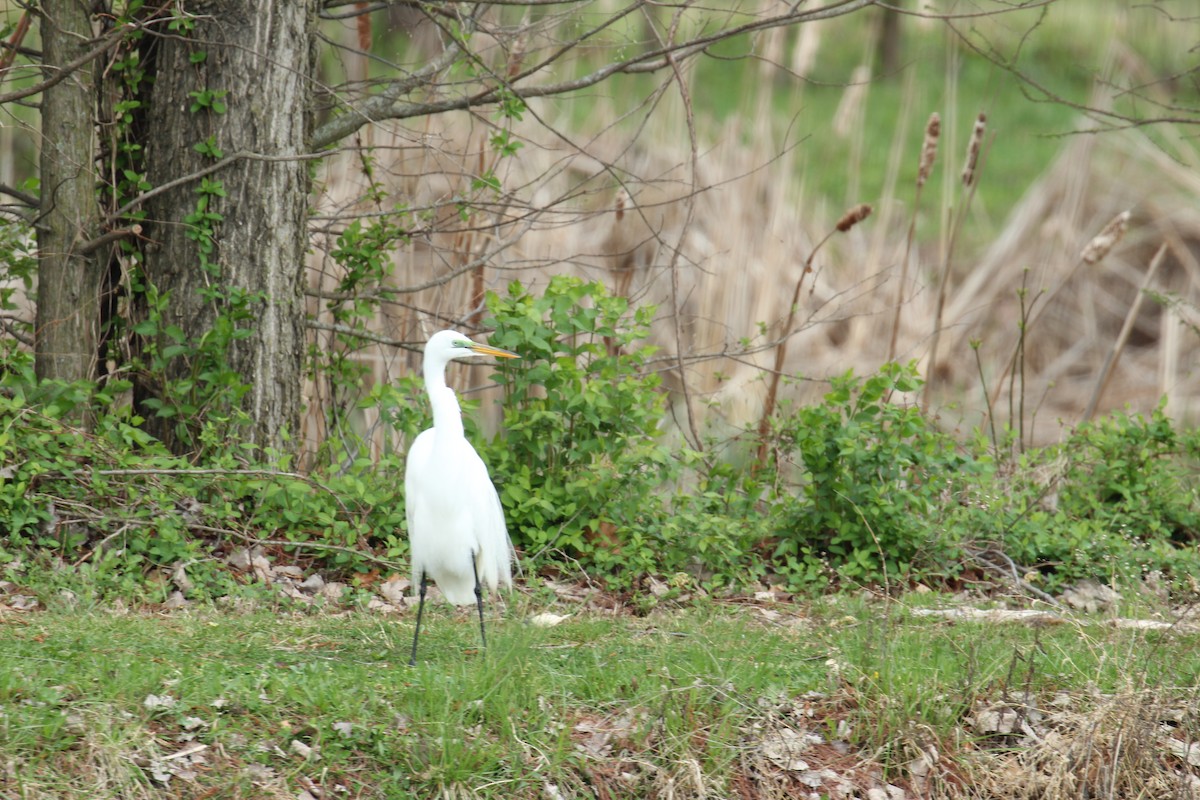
456,530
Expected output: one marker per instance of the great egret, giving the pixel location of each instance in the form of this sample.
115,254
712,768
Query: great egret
456,526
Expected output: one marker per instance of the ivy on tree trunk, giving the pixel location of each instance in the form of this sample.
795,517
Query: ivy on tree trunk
228,247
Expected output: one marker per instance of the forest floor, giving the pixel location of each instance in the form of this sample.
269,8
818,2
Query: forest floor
579,694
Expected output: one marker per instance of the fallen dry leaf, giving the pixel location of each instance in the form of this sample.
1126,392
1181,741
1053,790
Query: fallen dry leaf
1091,597
784,747
394,589
301,749
155,701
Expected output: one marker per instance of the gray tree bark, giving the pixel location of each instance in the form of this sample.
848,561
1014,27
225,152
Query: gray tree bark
259,53
68,295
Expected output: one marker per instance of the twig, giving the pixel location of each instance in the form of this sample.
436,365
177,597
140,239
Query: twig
360,333
260,473
101,543
849,219
1095,251
658,59
25,197
9,324
113,38
676,252
336,548
1010,574
1115,352
210,169
107,238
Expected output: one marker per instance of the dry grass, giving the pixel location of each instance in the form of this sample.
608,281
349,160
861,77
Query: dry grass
1130,745
608,205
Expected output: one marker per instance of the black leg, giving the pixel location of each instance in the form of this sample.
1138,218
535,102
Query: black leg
412,661
479,601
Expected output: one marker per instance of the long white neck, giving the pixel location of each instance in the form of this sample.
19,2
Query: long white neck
447,417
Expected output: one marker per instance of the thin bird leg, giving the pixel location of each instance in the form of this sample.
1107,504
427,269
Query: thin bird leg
479,601
412,660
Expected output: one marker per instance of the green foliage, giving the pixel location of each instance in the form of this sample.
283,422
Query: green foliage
113,503
363,254
18,265
872,476
208,100
717,532
1116,499
207,394
579,457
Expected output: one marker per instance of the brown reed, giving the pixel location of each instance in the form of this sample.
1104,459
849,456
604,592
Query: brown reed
851,218
974,151
973,147
1118,346
1106,239
933,130
848,220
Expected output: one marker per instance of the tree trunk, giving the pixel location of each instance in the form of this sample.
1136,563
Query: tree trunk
68,295
888,43
240,81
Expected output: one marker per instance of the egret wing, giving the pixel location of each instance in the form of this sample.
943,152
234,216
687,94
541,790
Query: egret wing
416,466
495,548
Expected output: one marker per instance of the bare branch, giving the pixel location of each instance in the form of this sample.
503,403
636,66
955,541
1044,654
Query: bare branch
376,108
107,42
200,173
24,197
9,322
361,333
108,238
1108,116
386,106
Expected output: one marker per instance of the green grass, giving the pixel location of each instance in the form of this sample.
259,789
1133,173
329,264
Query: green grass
575,705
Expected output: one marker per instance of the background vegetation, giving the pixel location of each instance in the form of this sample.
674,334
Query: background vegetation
732,506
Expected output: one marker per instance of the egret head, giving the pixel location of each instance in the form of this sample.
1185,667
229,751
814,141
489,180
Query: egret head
448,346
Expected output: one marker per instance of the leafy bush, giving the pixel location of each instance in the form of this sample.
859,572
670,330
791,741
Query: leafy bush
871,479
719,530
1118,498
579,457
18,265
113,501
861,486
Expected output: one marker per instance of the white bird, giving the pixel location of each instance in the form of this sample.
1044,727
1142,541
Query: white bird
456,530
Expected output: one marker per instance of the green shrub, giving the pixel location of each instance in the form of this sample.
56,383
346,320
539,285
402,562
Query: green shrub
720,530
861,487
579,459
18,265
871,479
1117,498
112,502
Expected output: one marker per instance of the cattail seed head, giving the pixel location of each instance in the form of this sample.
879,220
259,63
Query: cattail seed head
1107,239
968,173
853,216
933,129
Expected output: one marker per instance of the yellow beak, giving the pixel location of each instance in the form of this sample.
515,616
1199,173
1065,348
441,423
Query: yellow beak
488,350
